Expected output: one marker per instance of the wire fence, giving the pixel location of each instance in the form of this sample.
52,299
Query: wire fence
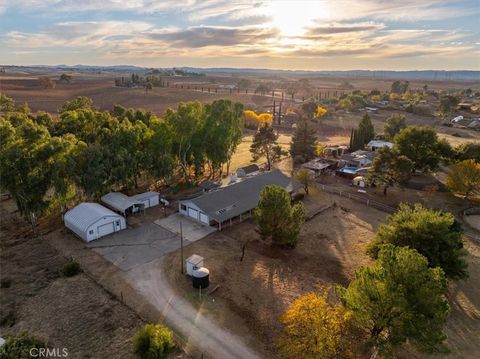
385,208
367,201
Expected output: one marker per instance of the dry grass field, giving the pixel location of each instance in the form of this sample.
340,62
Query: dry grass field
331,247
73,313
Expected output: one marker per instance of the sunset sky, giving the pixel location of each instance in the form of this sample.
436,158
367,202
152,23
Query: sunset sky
313,35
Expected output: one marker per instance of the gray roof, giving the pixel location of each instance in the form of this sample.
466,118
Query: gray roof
316,164
119,201
250,168
85,214
144,196
230,201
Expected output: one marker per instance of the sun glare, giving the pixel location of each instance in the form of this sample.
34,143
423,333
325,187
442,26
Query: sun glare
292,17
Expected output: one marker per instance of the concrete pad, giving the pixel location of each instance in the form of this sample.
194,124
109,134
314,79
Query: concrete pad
135,246
192,230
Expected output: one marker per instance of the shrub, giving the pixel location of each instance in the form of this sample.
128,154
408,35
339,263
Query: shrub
71,268
19,346
153,341
5,283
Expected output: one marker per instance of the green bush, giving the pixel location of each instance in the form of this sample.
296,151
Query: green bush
19,347
153,341
71,268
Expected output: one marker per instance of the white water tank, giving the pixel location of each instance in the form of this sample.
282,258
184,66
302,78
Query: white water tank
193,262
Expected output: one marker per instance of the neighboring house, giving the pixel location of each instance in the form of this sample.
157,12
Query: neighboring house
376,144
317,166
91,221
335,151
235,201
122,203
358,158
247,170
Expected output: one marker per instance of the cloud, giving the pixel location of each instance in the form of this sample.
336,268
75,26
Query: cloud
201,36
91,34
341,28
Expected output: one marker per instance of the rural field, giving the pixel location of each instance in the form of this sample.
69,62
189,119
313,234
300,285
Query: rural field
221,179
258,289
132,279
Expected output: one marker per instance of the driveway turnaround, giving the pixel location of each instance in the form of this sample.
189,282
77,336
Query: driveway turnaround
135,246
192,230
200,332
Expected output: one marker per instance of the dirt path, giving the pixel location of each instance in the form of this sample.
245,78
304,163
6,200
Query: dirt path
199,331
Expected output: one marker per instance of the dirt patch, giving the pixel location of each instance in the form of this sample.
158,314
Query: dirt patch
257,290
73,313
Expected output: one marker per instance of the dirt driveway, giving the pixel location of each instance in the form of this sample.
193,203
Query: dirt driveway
199,331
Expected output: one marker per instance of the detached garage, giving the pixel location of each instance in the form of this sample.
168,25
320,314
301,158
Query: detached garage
149,199
91,221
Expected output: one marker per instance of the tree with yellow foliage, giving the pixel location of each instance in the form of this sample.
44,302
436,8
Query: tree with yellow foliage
315,327
319,150
320,112
464,178
254,120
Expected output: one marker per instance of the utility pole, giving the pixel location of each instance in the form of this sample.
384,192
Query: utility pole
181,246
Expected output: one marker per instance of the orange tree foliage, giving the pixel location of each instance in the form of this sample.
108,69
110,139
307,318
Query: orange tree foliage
316,328
254,120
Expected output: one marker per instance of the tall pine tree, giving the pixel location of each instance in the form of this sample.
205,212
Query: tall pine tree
303,145
362,135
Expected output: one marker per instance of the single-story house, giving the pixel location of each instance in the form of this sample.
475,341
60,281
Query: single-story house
374,145
247,170
149,199
358,158
122,203
317,165
235,200
91,221
335,151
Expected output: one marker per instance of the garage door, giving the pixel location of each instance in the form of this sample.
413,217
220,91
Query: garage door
105,229
203,218
193,213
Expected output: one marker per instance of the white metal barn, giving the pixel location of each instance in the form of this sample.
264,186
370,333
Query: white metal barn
122,203
149,199
91,221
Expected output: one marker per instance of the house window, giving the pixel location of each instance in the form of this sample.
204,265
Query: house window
90,231
117,223
183,207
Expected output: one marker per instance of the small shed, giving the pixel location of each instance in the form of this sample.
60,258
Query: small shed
91,221
149,199
247,170
209,186
122,203
193,263
359,181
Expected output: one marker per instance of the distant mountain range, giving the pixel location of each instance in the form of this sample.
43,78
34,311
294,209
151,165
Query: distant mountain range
440,75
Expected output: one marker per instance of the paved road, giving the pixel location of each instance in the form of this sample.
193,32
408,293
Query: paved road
200,332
